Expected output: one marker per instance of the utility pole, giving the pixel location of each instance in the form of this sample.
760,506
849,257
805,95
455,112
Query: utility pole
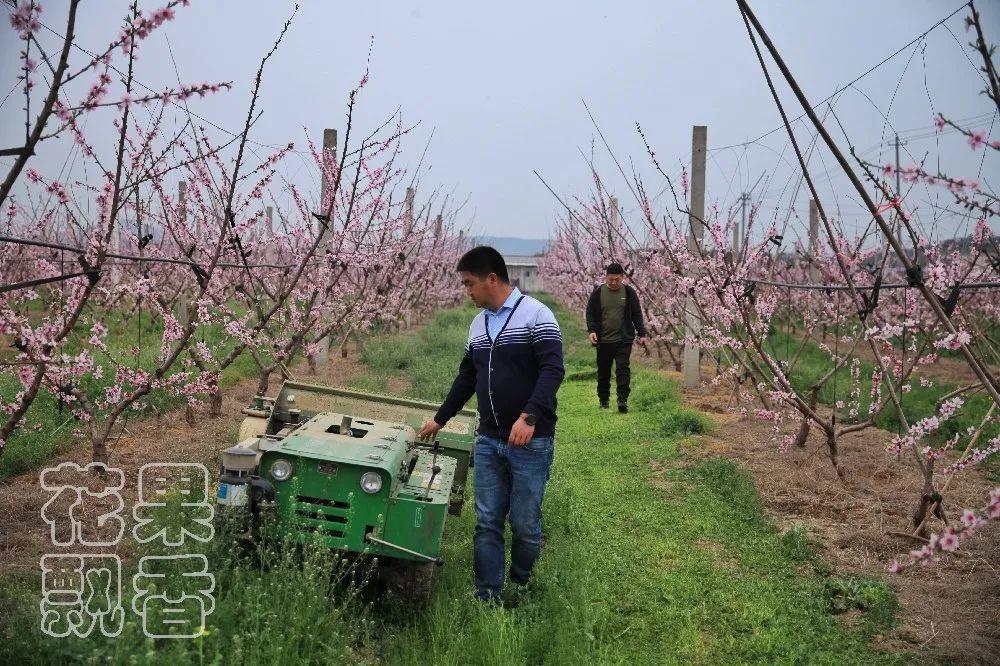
739,239
692,320
740,230
899,192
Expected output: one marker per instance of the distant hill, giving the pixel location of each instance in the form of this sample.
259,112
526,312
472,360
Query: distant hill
511,245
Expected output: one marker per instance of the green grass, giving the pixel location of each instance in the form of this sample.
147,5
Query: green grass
426,358
650,557
29,448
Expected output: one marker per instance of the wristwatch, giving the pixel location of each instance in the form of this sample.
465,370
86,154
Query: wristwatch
531,419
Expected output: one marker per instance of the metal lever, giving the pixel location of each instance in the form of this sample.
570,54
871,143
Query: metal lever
436,560
435,469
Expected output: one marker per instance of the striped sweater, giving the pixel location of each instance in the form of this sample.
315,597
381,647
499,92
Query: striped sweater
517,371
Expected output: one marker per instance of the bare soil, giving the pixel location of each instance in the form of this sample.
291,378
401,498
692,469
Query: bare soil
25,537
948,611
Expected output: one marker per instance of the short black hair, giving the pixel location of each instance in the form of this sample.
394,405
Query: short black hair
483,260
614,268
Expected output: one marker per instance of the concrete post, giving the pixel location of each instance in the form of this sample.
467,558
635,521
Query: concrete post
268,252
326,191
329,157
692,320
183,298
411,195
813,241
612,228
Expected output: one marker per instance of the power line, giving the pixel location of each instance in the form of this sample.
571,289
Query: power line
853,81
157,260
891,285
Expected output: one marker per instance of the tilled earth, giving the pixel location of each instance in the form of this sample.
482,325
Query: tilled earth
947,611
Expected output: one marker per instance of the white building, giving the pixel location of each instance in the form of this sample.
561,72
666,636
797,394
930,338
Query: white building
523,272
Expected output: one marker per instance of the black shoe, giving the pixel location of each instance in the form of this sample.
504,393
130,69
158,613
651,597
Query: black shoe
604,404
623,408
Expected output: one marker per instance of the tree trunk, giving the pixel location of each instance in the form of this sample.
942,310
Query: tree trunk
803,434
831,445
99,447
215,403
264,379
929,500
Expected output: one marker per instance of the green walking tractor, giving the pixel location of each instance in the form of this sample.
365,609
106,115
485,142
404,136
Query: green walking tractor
344,469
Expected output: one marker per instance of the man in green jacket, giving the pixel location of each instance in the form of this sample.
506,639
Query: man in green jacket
614,321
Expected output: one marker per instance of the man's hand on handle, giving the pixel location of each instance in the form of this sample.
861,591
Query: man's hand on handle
428,430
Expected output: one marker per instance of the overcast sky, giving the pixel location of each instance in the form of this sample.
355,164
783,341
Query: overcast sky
501,85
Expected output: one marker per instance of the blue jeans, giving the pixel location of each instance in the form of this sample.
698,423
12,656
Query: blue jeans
508,480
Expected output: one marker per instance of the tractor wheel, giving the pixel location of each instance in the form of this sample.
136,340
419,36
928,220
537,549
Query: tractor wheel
411,581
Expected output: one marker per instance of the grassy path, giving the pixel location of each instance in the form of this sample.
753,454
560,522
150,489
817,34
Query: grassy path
643,566
650,557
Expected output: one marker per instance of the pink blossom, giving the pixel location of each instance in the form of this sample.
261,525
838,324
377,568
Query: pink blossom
949,540
24,19
976,139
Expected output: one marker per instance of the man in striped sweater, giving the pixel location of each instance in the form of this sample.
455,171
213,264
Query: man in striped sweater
513,363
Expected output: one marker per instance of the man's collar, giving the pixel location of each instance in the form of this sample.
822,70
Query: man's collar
515,294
